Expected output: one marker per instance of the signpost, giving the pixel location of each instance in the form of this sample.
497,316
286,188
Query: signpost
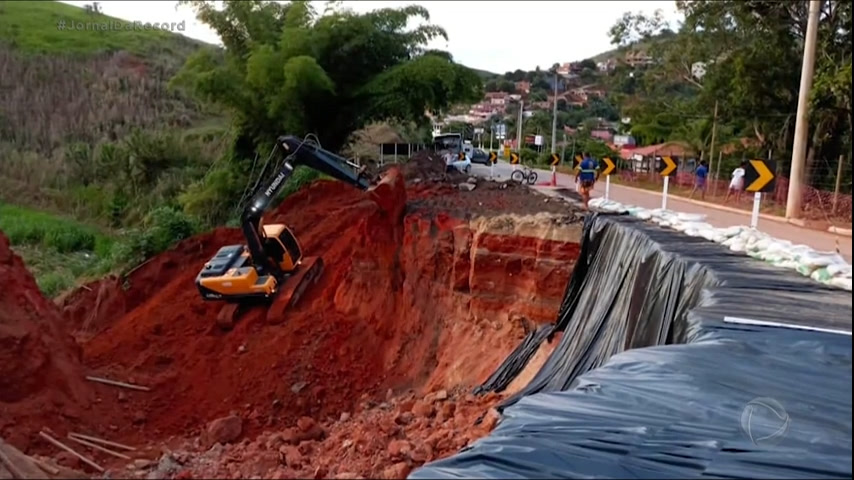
493,159
514,159
554,160
666,168
610,166
759,178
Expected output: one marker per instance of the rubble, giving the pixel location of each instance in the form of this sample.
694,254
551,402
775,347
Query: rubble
373,443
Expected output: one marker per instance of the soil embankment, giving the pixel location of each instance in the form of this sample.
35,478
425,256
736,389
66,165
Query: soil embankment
368,375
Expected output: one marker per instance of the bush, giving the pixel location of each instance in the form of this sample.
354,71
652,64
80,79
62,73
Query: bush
162,228
544,159
54,283
66,239
528,155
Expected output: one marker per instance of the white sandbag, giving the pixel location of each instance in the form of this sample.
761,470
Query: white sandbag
839,270
840,282
731,231
820,259
679,226
738,246
821,275
690,217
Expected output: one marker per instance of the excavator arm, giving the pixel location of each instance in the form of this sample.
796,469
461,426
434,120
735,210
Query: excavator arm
271,265
297,152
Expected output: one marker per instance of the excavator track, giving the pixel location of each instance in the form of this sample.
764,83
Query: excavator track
294,287
228,315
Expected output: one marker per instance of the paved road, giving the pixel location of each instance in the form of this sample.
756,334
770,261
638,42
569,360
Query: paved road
822,241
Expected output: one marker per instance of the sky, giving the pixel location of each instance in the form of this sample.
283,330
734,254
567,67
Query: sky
496,36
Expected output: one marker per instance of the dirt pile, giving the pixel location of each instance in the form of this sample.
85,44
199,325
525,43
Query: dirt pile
430,299
384,439
41,377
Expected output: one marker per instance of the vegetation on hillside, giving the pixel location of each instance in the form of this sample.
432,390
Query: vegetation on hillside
34,28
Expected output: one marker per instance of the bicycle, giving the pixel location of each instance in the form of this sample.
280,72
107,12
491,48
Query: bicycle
526,175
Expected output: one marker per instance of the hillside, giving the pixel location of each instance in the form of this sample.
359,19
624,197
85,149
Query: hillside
88,85
619,52
90,132
484,74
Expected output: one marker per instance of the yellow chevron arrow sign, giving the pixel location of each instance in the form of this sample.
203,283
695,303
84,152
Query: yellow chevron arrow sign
555,159
462,156
577,163
493,157
760,176
668,167
514,158
610,166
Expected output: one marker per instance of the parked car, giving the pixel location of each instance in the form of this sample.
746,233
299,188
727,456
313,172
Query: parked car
461,165
479,156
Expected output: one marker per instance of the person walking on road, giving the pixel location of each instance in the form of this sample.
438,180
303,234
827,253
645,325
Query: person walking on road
700,176
587,177
736,185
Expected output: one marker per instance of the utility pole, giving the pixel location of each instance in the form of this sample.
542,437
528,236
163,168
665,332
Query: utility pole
519,126
554,119
799,149
838,183
714,138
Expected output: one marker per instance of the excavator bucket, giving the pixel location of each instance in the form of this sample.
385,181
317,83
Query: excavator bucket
294,288
390,194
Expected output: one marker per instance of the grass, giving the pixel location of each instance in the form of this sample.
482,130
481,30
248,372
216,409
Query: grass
58,251
31,27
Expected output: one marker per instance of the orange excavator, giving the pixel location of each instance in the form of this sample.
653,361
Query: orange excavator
270,268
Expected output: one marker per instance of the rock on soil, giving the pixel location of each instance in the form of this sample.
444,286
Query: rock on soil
223,430
386,441
41,378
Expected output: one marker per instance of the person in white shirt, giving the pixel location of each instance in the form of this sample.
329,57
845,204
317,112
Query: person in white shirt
736,185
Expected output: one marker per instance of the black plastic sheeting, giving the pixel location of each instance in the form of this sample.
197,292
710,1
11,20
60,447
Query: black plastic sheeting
649,381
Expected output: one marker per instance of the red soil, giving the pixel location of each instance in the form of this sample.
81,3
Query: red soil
40,370
421,301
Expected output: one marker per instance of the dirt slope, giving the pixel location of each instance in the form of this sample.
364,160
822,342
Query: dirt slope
41,373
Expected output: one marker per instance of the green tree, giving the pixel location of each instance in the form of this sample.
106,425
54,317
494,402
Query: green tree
752,53
288,69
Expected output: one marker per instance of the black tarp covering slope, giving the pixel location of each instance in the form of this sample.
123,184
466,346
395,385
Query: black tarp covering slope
682,406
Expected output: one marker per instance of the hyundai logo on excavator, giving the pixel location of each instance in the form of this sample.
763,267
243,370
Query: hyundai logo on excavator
276,182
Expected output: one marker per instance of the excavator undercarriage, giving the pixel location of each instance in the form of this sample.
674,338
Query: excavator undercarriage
287,296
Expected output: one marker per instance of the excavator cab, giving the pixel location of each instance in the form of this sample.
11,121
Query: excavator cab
282,247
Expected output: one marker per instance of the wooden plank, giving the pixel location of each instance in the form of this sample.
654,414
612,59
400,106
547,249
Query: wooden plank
70,450
102,441
98,447
114,383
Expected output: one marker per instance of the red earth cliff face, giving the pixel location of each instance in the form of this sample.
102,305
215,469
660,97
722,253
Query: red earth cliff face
41,377
420,302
